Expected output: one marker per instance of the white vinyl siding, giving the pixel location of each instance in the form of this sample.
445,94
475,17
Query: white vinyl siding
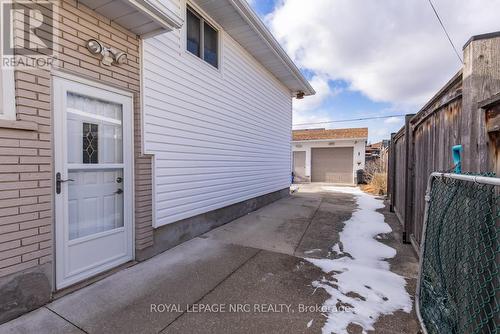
173,5
7,95
219,137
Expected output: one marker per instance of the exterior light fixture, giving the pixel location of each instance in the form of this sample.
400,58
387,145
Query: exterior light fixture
109,55
299,95
120,57
94,46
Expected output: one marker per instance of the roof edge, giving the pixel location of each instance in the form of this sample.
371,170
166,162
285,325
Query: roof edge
254,21
158,13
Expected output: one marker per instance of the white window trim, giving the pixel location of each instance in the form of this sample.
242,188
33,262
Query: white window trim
8,96
203,17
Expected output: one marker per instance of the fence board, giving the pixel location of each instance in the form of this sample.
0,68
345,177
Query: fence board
399,191
433,140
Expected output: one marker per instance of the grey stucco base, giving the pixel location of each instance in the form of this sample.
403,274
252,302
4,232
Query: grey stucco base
24,291
171,235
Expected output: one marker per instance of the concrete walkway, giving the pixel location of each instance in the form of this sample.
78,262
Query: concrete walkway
253,265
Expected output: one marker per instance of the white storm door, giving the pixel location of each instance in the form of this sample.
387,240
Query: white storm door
93,181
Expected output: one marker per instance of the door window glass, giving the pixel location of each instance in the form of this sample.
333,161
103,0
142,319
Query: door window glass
95,134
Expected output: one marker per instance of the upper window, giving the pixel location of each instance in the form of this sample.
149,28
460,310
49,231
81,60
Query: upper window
202,38
7,95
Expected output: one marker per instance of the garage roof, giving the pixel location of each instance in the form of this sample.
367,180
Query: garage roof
324,134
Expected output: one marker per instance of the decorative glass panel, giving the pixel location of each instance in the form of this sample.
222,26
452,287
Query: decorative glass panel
90,143
210,45
193,33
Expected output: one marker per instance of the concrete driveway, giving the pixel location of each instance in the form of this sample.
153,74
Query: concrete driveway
249,276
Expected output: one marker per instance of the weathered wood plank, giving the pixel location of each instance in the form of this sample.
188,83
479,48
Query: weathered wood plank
493,128
391,173
400,170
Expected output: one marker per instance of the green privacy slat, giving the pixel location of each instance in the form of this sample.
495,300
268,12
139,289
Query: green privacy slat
459,290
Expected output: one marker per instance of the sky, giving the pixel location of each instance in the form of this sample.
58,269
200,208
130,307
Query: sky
368,58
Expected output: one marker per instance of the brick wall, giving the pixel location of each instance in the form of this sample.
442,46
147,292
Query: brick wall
25,172
26,168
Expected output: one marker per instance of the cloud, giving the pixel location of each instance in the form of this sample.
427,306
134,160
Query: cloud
393,120
390,50
308,110
323,92
311,119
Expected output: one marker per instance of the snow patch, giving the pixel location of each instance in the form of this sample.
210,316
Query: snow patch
362,285
336,248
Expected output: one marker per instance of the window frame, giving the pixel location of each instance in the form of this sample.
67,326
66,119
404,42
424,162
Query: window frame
203,19
8,96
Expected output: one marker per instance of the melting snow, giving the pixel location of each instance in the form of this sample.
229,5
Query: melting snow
336,248
312,251
363,285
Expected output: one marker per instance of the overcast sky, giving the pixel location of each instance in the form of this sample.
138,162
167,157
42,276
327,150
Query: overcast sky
373,57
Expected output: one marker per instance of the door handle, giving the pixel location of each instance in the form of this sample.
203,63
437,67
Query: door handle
119,191
59,181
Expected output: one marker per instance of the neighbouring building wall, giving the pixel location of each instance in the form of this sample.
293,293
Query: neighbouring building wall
26,156
358,146
219,136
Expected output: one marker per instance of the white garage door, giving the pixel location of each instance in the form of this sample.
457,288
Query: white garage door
332,164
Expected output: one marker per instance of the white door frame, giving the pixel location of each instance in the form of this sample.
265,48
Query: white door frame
61,84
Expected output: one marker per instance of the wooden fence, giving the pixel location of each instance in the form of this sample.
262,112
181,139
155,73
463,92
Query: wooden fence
466,111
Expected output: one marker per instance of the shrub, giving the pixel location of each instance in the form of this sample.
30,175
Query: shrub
376,176
377,184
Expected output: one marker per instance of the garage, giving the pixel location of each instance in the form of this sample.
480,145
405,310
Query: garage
332,164
331,155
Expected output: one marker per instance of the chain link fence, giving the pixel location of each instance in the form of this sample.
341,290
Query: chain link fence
459,281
